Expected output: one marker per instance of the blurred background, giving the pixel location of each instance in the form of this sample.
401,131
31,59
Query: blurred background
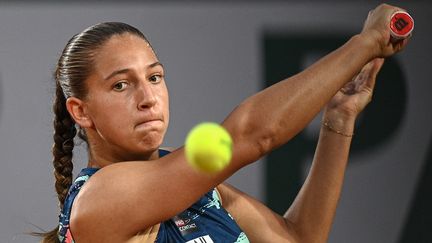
216,53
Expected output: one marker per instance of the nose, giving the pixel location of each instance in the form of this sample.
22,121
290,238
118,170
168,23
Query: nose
146,96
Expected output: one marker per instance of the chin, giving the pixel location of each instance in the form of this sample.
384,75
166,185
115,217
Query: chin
151,142
143,151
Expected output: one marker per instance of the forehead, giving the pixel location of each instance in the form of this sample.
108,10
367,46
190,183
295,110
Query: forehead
123,51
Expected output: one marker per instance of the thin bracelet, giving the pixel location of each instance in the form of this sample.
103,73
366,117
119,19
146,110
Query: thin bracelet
327,125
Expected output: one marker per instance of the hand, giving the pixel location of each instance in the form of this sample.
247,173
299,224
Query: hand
356,94
377,29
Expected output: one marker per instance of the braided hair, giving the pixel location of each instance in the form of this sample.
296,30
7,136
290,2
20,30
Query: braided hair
74,66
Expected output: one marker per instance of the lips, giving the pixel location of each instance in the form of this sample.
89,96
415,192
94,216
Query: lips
149,122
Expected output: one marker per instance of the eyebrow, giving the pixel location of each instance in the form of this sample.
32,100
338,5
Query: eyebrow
126,70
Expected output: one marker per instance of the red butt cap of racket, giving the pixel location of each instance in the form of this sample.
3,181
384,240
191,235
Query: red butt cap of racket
401,25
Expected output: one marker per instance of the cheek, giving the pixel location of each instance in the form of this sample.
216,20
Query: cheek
112,124
110,118
115,128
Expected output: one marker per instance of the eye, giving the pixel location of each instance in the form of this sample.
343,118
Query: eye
156,78
120,86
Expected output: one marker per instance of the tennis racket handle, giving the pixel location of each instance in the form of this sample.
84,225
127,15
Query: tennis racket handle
401,26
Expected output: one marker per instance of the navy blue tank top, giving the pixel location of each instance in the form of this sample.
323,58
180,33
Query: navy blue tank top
206,221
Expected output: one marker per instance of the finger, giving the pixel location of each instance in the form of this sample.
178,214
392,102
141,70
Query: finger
403,43
375,67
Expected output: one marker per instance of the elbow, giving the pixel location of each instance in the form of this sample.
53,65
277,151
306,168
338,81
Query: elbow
265,143
250,132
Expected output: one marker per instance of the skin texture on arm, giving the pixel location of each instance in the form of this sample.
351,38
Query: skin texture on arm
131,196
310,217
314,208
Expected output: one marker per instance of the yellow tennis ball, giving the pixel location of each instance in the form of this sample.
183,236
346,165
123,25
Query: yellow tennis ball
208,147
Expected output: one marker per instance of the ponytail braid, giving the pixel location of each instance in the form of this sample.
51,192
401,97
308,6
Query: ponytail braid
64,133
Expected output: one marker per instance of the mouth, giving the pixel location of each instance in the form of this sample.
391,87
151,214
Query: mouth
149,123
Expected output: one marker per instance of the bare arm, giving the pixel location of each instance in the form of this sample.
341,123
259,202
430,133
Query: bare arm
314,208
274,115
310,217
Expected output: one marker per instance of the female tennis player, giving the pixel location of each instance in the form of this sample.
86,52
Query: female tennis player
111,92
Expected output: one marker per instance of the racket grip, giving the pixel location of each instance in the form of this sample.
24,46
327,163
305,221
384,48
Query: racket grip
401,26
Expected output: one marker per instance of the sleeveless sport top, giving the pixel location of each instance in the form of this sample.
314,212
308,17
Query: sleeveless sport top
206,221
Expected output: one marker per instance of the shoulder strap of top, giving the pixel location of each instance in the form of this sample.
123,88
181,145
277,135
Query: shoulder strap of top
163,152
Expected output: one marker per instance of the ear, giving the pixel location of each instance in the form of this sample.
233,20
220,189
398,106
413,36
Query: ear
77,110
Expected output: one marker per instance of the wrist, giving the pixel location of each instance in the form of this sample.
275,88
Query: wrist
368,41
338,116
346,132
339,123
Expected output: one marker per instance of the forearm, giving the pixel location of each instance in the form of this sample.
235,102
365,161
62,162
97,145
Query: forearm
276,114
314,208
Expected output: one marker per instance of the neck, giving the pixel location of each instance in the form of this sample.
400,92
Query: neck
97,160
103,153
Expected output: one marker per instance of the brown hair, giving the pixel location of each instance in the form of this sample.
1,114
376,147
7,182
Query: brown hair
73,68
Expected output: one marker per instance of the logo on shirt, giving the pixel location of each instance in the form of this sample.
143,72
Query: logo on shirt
184,224
181,222
188,227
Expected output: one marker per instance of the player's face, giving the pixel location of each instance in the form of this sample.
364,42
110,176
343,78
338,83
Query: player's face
127,99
